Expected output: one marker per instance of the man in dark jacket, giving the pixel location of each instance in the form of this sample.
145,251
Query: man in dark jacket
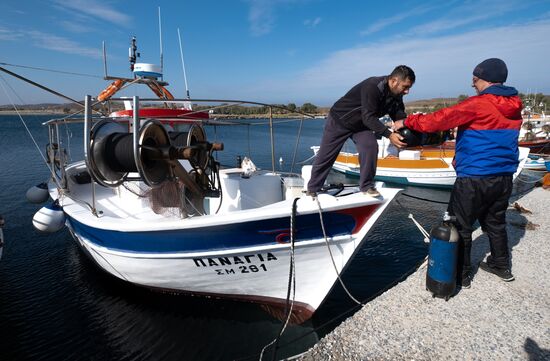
486,157
356,115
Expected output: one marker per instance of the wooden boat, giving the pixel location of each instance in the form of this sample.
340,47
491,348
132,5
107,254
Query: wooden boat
431,166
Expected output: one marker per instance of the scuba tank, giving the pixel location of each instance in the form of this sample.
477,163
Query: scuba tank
442,259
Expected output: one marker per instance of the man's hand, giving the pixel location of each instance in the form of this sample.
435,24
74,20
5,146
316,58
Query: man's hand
397,140
398,124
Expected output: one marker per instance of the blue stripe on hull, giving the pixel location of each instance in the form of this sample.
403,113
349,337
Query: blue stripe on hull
405,181
246,234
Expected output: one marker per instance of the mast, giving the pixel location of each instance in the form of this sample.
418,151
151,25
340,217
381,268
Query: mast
183,66
160,42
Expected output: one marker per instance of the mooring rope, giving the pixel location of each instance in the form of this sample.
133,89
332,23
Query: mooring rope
22,120
28,130
291,283
348,311
330,252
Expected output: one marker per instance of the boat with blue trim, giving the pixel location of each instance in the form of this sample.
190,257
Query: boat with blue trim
425,166
150,204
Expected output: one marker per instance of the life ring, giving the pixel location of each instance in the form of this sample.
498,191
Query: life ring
110,90
160,91
166,93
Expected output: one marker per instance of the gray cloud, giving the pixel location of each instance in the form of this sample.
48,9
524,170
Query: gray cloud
97,10
75,27
261,17
61,44
395,19
311,23
9,35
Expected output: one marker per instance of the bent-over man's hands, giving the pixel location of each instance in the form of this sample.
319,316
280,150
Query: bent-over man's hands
397,140
398,124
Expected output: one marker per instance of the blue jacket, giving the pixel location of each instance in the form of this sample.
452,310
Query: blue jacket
488,130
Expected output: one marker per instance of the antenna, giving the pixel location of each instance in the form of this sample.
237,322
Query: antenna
183,66
104,61
160,36
132,55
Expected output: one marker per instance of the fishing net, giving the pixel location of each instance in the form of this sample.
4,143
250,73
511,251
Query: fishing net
171,199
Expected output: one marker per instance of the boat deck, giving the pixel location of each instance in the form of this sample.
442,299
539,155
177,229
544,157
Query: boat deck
493,320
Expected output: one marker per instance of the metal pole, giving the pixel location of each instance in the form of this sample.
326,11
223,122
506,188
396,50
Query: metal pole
87,127
160,41
296,146
61,155
183,66
50,155
272,139
87,133
104,61
135,138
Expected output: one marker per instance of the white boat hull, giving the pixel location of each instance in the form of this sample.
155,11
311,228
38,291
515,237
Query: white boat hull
440,177
443,177
242,254
256,274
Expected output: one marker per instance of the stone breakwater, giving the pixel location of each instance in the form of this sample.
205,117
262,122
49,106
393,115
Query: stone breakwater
493,320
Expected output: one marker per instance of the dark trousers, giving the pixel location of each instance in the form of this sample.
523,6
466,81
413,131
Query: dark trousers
484,199
334,137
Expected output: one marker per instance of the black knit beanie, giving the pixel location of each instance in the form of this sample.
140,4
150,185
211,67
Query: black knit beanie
492,70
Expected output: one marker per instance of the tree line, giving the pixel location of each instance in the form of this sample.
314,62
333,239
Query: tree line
537,103
226,109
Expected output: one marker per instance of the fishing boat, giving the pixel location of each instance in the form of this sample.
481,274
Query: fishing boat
536,162
536,145
535,133
426,166
150,204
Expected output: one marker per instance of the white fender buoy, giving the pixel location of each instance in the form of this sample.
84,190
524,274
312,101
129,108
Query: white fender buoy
49,218
38,193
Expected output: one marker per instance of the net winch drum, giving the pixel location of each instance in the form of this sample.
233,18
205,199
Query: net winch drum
188,136
111,155
442,259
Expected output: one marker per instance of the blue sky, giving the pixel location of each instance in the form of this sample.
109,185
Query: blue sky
275,51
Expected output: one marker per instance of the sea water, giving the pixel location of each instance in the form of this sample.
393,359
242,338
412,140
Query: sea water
56,304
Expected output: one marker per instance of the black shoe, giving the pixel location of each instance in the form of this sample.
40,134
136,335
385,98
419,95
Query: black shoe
372,192
504,274
466,281
311,194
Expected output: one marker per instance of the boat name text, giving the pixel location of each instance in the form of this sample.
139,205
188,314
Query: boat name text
245,263
235,260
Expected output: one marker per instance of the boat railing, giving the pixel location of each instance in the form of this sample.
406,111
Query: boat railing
90,115
58,157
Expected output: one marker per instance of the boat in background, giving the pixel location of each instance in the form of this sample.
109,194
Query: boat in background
426,166
536,162
150,204
535,132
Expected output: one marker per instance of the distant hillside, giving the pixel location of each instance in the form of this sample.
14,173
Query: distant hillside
434,101
537,102
429,105
48,108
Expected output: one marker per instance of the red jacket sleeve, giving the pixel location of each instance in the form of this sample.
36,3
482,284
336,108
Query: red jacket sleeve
444,119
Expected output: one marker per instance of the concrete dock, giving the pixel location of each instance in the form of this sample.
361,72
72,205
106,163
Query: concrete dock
493,320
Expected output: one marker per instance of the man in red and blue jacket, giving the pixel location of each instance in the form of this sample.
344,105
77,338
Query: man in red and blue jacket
486,157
